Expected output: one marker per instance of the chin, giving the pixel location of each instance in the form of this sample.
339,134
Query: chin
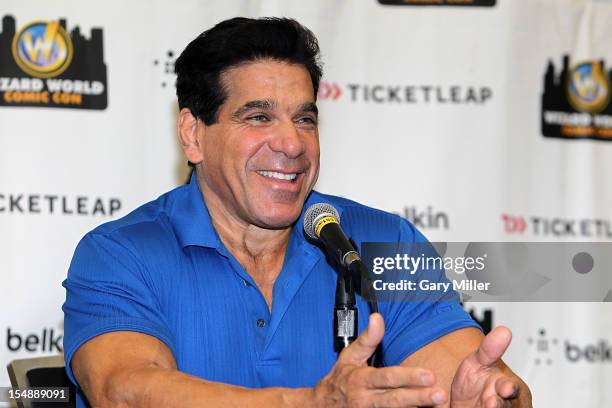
277,218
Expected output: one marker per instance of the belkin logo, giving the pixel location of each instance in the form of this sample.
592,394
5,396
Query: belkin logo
593,353
426,218
547,350
46,340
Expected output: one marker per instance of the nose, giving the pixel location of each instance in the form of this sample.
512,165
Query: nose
288,140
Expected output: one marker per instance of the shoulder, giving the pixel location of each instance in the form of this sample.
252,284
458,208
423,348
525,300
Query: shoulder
146,229
366,223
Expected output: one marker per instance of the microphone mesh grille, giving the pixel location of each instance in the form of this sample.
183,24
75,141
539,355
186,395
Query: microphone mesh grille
313,213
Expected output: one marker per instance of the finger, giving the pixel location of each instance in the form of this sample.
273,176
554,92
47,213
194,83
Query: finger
494,402
365,345
506,388
396,377
412,397
493,346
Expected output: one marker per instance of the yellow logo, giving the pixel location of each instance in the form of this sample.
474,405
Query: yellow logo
323,222
42,49
588,88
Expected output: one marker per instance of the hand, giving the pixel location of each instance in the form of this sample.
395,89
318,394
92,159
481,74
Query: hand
351,383
480,381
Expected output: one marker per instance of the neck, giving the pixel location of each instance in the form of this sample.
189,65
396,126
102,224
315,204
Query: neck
242,239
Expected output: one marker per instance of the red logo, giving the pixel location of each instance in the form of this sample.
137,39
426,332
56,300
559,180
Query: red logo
514,224
329,90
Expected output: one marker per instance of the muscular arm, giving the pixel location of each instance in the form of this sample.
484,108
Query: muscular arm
444,355
129,369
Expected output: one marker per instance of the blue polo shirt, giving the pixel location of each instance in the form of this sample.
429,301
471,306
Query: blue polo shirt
162,270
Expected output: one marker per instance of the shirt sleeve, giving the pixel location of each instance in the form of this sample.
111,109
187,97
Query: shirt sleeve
108,289
412,323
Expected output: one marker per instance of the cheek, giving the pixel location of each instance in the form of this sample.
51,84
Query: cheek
234,148
251,150
312,147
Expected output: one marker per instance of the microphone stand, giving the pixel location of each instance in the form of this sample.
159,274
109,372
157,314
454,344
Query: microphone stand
345,310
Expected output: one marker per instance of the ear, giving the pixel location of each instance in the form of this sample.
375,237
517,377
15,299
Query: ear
188,127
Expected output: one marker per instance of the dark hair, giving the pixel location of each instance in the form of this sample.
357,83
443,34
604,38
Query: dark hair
235,41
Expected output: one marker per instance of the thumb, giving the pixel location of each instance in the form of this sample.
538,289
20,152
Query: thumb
364,346
493,346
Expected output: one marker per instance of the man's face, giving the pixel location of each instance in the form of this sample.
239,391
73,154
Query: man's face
261,158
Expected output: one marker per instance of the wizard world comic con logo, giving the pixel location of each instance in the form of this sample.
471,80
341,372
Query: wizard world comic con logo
42,64
576,101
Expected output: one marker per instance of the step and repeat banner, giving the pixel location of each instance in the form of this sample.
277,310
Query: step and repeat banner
477,120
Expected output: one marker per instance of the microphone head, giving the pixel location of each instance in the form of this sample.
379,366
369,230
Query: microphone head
314,214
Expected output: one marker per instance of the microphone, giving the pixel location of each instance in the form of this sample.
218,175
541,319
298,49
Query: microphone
322,223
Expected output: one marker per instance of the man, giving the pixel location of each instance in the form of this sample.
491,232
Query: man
211,295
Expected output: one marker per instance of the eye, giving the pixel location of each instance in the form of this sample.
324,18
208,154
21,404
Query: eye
307,120
258,118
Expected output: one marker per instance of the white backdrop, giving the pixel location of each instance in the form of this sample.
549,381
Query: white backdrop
431,112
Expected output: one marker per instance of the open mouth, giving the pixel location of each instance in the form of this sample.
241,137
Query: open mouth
277,175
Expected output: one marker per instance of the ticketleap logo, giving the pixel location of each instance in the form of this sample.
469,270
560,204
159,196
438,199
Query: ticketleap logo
546,348
329,90
406,94
19,203
593,228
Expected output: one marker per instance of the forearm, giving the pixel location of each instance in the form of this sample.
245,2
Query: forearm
161,387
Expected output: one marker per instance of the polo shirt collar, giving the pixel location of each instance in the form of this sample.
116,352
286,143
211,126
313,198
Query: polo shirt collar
192,222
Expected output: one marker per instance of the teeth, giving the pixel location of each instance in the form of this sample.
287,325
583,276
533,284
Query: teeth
277,175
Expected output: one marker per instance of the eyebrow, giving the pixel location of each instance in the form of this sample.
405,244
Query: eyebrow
309,107
264,104
267,104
